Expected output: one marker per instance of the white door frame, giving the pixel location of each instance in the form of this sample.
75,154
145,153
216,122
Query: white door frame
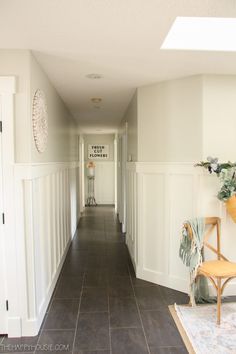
11,247
81,158
122,177
115,173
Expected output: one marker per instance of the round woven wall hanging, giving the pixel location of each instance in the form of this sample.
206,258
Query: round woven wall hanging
40,120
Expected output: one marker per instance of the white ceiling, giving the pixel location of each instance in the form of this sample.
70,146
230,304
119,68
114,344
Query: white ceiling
119,39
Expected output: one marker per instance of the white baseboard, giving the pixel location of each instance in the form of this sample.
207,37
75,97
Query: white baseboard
123,228
179,284
160,279
14,327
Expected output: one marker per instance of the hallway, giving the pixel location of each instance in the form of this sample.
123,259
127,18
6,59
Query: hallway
98,305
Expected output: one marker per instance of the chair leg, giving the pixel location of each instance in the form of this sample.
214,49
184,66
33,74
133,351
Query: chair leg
218,300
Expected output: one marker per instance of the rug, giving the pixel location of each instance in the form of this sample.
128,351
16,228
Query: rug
199,331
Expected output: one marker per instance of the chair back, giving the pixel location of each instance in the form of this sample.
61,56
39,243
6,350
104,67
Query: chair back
212,222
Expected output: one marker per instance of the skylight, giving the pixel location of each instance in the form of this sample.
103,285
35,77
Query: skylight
202,33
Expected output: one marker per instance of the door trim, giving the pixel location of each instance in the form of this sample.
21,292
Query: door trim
12,249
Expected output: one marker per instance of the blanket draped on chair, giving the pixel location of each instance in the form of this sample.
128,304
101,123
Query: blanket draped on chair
191,253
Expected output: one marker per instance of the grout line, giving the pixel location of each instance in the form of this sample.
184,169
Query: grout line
108,297
58,329
109,322
66,298
77,319
171,346
94,311
137,327
139,314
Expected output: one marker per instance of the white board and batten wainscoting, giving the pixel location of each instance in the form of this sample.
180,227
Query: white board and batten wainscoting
40,202
47,201
46,207
160,197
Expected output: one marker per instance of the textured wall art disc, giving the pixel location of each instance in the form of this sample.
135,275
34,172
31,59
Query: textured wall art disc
40,120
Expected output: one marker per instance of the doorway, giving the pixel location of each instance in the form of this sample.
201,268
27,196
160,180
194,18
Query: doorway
99,162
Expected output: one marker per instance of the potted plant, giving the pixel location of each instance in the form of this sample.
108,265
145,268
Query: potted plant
226,172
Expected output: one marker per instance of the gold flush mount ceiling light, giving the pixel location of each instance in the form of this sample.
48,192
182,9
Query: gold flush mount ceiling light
96,100
94,76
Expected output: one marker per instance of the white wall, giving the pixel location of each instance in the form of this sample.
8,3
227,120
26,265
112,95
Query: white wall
104,183
62,139
62,135
46,196
131,117
170,121
219,112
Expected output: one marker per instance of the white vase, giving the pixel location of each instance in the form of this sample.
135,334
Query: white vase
91,172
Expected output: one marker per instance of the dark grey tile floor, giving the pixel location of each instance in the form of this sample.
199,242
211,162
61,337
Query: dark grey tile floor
98,305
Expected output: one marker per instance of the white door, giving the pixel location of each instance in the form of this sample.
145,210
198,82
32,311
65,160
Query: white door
3,310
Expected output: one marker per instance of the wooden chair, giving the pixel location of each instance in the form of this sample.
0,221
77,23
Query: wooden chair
216,270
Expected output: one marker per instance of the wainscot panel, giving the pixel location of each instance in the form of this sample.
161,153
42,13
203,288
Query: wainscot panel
48,204
160,197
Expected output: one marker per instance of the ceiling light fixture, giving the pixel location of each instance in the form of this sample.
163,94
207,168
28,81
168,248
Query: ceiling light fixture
94,76
96,100
202,33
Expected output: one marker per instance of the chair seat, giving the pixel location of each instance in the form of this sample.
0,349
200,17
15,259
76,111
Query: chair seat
223,269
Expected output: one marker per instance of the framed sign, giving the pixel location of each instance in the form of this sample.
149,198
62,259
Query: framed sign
98,152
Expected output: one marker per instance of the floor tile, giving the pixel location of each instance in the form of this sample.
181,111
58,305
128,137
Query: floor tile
69,287
229,299
149,298
172,296
160,329
19,352
92,352
123,312
74,268
94,299
139,282
98,267
92,332
168,350
96,278
62,314
118,270
56,342
120,286
128,341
